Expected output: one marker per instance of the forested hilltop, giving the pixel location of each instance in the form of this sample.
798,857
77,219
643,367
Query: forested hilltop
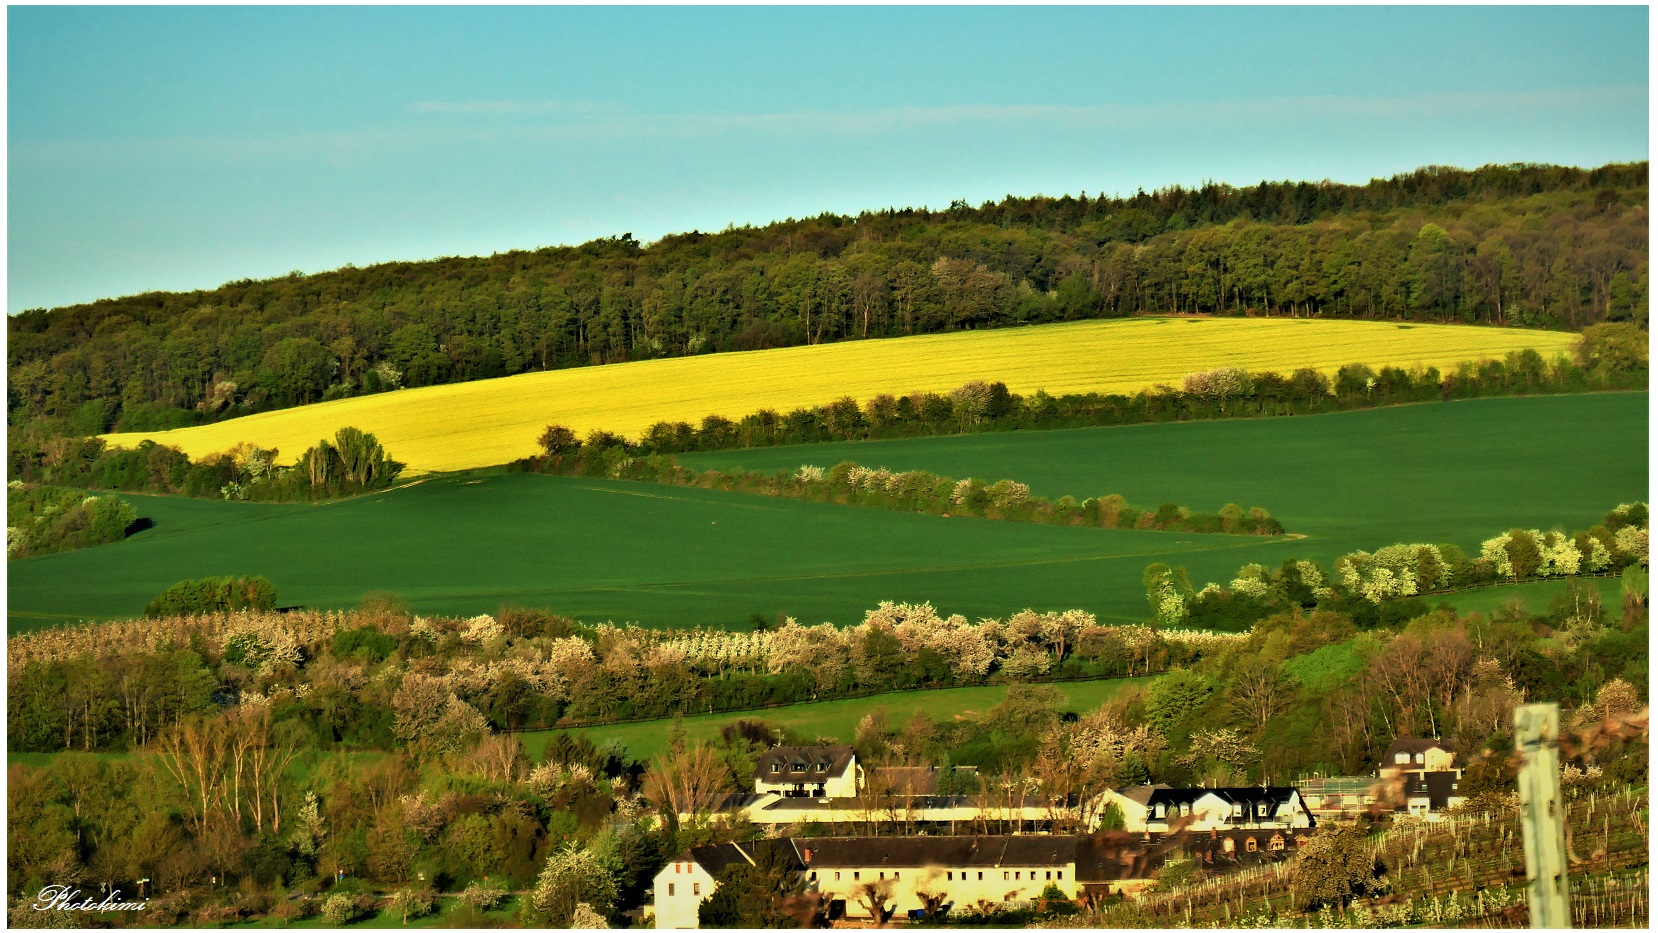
1511,245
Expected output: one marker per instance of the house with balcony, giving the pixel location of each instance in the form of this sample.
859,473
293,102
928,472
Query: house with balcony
1421,776
808,771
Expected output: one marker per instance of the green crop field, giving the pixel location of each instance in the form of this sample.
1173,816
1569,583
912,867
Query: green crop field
606,550
833,719
1441,472
667,556
1536,596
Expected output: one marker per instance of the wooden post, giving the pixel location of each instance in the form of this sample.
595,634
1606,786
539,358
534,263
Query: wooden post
1542,815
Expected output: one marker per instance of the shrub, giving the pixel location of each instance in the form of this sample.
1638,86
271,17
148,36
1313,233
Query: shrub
484,895
213,594
410,903
343,908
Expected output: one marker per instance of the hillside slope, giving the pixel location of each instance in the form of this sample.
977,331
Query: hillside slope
601,549
466,425
1526,245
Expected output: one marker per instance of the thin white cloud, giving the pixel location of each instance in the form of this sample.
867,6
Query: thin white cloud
600,122
559,107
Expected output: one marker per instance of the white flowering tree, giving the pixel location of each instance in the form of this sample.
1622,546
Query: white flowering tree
1252,580
1395,570
1167,591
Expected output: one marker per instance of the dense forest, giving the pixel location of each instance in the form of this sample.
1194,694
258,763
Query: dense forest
1523,245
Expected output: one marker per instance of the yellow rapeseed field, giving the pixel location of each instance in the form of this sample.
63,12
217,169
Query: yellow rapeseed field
474,424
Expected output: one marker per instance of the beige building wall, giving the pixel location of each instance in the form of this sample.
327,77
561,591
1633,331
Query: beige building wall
681,886
962,887
843,785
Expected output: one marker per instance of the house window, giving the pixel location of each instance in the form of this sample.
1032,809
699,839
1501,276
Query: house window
775,767
1159,811
854,876
814,874
1418,757
1048,876
822,767
981,876
1059,876
1277,843
670,889
1250,844
800,766
1005,875
837,876
1228,846
949,876
1237,809
696,889
895,876
676,868
1403,758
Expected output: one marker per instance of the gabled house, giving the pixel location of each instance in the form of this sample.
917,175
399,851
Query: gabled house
808,771
683,883
1417,755
1422,774
1159,808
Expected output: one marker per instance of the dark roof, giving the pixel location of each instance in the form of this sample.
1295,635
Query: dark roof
731,803
798,764
1115,856
939,851
1119,856
882,804
1269,795
713,859
1413,746
1141,793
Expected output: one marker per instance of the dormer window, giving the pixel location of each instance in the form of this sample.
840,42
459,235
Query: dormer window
775,767
1237,809
1403,758
822,766
1159,811
800,766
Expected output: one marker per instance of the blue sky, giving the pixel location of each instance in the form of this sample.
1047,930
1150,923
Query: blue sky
178,148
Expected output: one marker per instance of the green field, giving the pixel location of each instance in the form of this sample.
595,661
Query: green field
666,556
1447,472
1536,596
833,719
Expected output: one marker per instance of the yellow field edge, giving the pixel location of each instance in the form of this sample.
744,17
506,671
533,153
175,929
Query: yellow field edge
494,421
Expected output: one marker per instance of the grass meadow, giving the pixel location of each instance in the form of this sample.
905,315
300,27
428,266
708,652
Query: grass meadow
666,556
832,719
476,424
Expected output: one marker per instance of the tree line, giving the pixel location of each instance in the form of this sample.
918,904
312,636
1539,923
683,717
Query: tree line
1514,245
847,483
351,463
48,519
1609,357
1376,588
